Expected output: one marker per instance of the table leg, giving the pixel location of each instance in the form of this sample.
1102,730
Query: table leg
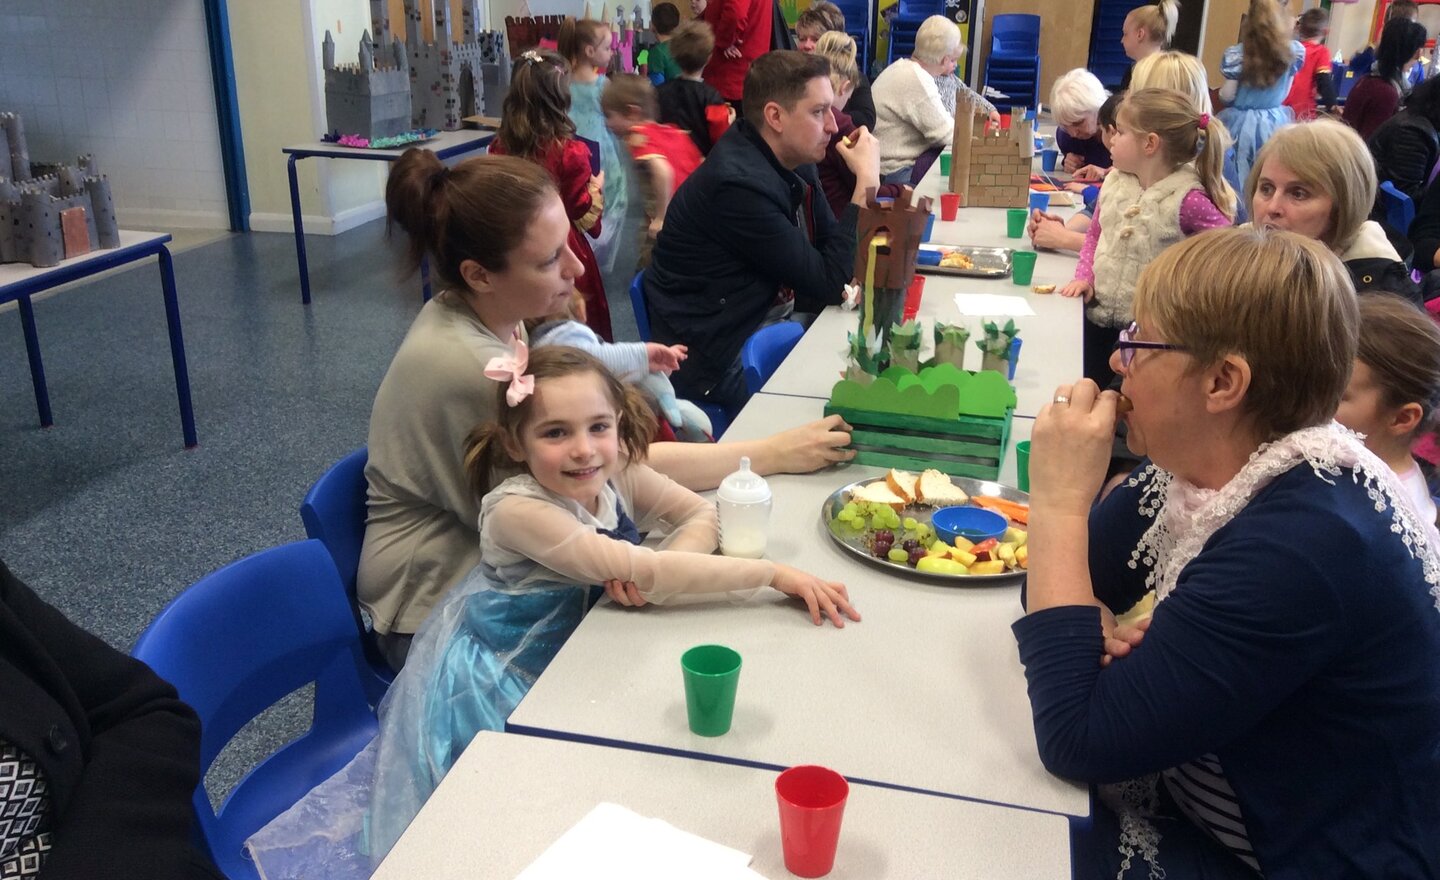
177,346
299,233
37,367
425,279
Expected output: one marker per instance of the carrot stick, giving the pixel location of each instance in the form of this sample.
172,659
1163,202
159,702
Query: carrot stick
1018,512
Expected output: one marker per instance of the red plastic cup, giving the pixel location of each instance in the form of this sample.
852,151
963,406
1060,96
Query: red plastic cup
949,206
1004,121
812,805
912,297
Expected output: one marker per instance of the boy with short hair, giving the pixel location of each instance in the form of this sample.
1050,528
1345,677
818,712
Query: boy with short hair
664,19
688,103
1314,74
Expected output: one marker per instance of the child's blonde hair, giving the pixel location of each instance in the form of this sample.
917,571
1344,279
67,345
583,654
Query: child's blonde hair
577,35
839,48
1177,71
626,90
1186,135
1265,36
488,446
1158,20
1401,346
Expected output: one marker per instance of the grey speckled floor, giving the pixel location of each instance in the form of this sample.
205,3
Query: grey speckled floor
105,515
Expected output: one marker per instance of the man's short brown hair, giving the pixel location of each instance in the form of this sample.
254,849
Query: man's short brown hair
692,46
780,77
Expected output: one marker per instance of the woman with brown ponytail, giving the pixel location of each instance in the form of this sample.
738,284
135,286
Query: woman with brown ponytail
496,232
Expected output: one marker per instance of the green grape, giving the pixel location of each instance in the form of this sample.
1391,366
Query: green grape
897,554
910,522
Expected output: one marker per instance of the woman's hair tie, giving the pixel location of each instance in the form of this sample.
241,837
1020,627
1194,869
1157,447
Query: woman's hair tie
532,56
1204,122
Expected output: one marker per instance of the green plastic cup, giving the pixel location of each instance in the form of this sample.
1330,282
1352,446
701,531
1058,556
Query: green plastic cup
1022,465
712,673
945,164
1022,266
1015,220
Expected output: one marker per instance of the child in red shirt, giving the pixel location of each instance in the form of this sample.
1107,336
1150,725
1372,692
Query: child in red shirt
1314,74
666,153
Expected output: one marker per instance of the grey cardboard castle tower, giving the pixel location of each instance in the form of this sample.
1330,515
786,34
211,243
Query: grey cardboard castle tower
50,212
991,169
396,87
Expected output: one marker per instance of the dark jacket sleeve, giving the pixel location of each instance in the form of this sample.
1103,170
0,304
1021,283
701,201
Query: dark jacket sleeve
1404,153
763,238
1325,86
131,805
1425,232
861,105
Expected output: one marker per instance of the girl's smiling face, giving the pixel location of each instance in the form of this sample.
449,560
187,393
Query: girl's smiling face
571,441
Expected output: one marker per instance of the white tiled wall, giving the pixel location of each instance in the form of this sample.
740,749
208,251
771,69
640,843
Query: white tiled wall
127,80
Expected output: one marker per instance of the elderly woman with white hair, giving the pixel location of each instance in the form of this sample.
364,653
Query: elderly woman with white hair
910,117
1075,101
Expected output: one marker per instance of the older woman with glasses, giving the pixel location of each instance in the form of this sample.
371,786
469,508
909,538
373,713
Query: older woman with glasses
1278,714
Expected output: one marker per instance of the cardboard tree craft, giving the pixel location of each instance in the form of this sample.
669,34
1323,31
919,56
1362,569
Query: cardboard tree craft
991,169
904,415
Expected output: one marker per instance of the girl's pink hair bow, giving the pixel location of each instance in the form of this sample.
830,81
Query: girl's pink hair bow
512,368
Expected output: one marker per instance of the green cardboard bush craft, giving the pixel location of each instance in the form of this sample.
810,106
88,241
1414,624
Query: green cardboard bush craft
905,414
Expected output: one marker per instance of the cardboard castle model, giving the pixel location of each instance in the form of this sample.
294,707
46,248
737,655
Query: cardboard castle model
50,212
992,169
397,87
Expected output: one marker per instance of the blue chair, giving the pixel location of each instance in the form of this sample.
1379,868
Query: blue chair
334,514
1399,209
233,645
1013,67
765,350
637,302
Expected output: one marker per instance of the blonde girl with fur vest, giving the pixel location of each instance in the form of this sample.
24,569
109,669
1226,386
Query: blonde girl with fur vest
1168,184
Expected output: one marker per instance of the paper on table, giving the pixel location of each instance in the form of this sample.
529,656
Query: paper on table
990,305
613,843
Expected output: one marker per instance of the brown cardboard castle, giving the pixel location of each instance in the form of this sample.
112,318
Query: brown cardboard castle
991,169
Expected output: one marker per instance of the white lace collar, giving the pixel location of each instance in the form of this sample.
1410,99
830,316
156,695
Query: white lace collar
1186,516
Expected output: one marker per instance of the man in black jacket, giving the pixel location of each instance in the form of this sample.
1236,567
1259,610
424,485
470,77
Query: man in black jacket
101,755
748,238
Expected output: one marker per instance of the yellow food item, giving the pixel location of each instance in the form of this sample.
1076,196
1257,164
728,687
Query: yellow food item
1015,536
939,565
956,260
990,566
1044,288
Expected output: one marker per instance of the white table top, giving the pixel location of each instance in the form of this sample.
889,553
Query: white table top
1050,354
509,797
443,144
927,692
14,273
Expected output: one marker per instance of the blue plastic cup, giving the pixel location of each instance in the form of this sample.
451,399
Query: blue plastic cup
1048,158
1039,201
929,226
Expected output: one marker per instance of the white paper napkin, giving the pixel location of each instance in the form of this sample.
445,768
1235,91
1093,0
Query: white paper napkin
991,305
614,843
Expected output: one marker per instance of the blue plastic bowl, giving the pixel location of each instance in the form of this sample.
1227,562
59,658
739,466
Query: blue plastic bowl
974,524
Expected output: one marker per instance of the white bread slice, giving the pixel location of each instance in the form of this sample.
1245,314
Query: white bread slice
879,493
902,483
935,489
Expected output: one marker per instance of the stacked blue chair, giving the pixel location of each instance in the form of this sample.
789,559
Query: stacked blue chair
906,24
237,642
857,25
719,417
1013,67
334,514
1399,208
1108,60
765,350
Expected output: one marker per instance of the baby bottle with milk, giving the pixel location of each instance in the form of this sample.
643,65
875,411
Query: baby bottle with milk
744,502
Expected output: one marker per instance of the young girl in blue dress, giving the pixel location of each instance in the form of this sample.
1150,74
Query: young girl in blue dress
1262,66
570,521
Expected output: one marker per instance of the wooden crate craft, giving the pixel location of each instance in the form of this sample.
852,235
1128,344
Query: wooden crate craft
943,417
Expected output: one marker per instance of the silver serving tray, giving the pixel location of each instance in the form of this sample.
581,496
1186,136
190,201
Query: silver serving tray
853,545
989,262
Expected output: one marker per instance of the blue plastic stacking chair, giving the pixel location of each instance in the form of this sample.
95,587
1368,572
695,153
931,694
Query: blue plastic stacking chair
637,302
233,645
765,350
1399,208
334,514
1013,67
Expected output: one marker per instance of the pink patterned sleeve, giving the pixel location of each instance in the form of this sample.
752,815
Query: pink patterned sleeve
1085,271
1198,213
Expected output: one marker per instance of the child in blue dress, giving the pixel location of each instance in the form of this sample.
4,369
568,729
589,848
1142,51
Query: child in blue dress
1262,66
571,520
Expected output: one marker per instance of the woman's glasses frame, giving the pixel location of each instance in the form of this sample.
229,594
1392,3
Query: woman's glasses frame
1127,344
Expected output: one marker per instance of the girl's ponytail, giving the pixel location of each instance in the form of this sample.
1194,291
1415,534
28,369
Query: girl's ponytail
576,35
1210,163
482,449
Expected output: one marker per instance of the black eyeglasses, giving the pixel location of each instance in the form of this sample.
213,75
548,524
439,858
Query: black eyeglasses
1127,345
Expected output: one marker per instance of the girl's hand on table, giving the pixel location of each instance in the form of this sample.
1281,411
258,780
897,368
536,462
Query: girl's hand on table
1070,449
821,597
1079,288
811,447
1091,173
665,358
1050,233
624,593
1036,215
